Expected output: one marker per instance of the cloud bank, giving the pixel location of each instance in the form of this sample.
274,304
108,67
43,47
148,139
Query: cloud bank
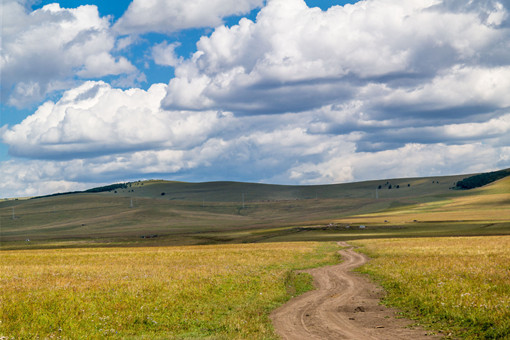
381,88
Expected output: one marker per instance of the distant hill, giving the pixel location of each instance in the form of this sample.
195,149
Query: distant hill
251,192
227,191
169,212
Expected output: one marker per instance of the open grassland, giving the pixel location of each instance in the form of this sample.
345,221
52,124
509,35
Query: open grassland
488,203
221,291
419,207
91,219
482,211
460,284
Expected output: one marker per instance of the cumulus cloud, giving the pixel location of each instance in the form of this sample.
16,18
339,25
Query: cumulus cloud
381,88
295,58
166,16
95,119
45,50
164,54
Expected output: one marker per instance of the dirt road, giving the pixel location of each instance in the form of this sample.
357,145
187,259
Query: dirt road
344,305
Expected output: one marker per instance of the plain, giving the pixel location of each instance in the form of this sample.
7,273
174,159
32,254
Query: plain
118,265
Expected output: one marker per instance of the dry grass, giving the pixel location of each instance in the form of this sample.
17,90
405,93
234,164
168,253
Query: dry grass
159,292
485,207
460,284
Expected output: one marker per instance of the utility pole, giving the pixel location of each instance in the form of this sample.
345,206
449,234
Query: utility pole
243,200
13,216
131,205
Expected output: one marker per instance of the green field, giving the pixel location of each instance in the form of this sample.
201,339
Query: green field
138,264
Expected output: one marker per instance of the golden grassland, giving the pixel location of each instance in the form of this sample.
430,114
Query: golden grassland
489,203
129,290
461,284
224,291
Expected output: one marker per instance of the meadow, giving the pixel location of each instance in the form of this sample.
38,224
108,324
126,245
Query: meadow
224,255
458,284
222,291
204,213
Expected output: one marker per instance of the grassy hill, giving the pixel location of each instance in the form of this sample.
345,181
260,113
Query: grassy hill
253,192
164,212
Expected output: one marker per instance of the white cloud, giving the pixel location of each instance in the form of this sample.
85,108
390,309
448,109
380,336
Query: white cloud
166,16
411,160
95,118
456,88
296,58
382,88
35,178
43,51
164,54
276,155
103,64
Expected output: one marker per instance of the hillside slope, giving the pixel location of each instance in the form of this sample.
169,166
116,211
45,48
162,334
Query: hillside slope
235,191
219,212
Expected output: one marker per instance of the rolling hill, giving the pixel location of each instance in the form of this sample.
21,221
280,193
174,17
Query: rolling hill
166,212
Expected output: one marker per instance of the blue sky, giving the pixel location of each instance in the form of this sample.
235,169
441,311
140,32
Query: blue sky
275,91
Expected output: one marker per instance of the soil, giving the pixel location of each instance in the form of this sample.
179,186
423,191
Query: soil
344,305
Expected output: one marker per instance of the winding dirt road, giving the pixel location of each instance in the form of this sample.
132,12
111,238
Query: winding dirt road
344,305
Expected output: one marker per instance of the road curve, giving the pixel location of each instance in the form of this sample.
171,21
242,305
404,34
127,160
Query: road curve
344,305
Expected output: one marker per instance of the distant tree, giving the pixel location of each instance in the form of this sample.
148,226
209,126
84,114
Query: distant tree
408,185
379,187
108,188
389,187
398,186
482,179
162,194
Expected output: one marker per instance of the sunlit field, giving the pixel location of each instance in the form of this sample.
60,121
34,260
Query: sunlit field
222,291
461,284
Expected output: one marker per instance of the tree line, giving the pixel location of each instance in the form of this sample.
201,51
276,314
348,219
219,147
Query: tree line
482,179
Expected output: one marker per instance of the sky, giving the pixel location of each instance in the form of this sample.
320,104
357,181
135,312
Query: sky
269,91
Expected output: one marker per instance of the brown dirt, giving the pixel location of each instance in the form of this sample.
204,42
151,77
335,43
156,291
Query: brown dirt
344,305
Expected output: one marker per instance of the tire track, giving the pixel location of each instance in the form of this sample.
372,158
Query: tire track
344,305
